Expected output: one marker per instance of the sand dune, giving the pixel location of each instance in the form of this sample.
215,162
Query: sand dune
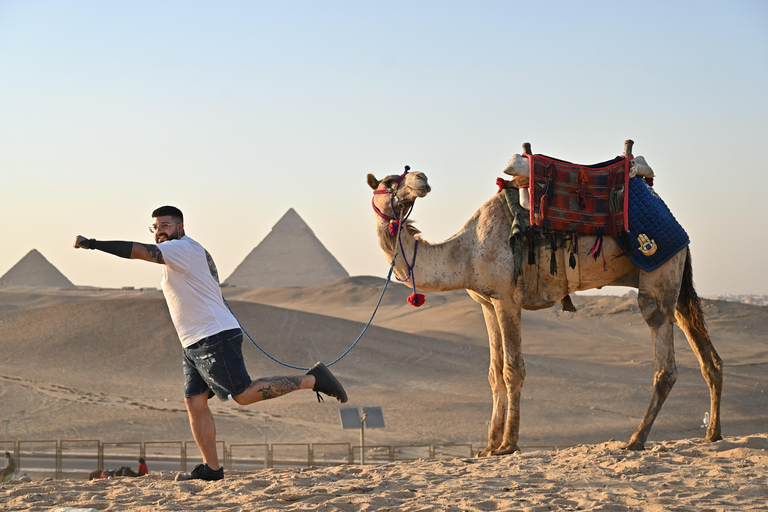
92,364
106,365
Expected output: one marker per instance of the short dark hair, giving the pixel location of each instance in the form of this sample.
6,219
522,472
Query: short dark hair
169,210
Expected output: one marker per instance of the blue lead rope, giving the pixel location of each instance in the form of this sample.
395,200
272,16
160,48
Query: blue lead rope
389,277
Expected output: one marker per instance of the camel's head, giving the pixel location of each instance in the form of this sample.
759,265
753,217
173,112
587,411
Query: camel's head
405,189
518,166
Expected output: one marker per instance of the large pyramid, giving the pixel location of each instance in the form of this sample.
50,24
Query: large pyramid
34,270
290,255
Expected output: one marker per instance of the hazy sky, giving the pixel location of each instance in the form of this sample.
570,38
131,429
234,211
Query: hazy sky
236,111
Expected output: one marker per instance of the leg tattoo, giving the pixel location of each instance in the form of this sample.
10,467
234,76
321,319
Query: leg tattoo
272,387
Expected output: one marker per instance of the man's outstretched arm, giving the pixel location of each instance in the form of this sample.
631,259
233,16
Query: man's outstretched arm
131,250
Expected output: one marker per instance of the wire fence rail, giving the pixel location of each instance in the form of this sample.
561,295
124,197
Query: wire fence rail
73,459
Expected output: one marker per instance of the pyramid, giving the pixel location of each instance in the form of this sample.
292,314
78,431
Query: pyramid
34,270
290,255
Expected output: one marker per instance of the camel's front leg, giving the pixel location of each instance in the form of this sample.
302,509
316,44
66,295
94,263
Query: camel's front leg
659,315
495,378
508,315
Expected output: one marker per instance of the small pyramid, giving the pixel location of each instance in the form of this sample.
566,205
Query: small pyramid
290,255
34,270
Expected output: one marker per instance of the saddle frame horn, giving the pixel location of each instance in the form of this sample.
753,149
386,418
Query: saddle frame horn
628,147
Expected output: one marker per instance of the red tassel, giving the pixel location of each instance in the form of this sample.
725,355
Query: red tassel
501,183
416,299
543,206
394,226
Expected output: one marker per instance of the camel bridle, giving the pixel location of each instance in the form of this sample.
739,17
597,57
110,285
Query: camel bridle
394,227
394,222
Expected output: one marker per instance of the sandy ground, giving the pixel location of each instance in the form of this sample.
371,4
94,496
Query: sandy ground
675,475
106,365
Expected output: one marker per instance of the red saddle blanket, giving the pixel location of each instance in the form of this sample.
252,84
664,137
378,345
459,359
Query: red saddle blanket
574,198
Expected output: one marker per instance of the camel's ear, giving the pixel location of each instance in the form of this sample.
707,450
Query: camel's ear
373,182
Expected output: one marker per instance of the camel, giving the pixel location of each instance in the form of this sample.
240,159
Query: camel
479,259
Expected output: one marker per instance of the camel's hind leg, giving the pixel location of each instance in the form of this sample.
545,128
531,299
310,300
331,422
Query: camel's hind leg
690,318
657,298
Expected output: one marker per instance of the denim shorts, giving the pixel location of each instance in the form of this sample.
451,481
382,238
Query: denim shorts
215,365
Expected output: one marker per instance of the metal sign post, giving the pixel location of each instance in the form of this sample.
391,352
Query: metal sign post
352,419
362,439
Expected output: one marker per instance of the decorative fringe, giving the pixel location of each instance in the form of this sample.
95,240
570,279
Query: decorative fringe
574,249
543,206
595,252
615,200
567,304
553,259
417,299
628,246
531,246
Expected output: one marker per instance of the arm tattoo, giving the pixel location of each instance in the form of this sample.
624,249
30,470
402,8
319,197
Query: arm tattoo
272,387
154,252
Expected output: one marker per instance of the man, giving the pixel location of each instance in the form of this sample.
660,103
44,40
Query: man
210,335
6,474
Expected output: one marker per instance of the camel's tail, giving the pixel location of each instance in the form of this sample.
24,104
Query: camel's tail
688,302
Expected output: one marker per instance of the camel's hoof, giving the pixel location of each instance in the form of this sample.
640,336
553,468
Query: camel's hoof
485,452
713,439
634,445
505,450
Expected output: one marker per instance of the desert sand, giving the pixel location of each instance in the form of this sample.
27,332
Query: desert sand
105,364
672,475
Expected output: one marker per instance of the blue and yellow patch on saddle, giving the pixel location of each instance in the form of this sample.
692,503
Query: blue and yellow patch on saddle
654,235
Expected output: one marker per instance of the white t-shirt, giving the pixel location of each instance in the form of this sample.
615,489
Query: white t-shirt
191,287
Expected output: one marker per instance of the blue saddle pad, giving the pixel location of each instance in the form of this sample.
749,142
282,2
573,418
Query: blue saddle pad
654,232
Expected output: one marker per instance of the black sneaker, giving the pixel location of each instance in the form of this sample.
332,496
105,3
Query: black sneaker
203,472
326,383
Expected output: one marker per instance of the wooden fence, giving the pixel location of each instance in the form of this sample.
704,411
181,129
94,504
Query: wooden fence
61,459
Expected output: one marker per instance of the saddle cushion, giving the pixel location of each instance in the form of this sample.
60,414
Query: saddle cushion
654,233
574,198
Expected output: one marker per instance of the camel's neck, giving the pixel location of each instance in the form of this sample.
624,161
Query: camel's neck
437,267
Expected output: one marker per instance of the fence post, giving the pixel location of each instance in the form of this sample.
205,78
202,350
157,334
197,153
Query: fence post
59,463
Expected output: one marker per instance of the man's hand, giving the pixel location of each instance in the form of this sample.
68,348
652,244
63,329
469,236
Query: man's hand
81,242
121,249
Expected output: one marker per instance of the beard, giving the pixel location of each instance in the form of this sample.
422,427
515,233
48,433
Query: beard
164,237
